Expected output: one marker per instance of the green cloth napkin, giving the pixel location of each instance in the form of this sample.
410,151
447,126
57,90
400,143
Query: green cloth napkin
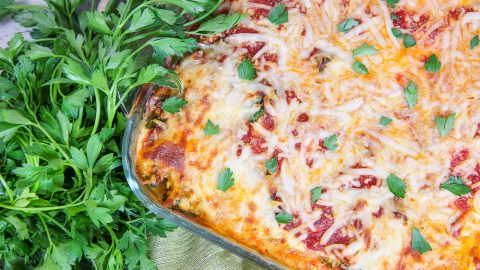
184,250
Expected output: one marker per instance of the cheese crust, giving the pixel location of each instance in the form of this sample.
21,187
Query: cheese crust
308,91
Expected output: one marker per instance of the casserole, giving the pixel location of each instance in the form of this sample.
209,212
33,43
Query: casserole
348,132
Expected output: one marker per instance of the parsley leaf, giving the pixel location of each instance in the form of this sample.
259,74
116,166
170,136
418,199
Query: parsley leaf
455,185
474,42
396,185
225,180
246,70
278,14
445,124
254,118
331,142
365,49
409,41
394,17
418,242
397,33
392,3
211,128
219,24
433,64
347,25
384,121
173,104
284,218
315,194
359,68
411,94
272,165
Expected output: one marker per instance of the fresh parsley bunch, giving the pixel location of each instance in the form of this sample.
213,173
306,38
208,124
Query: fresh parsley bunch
64,201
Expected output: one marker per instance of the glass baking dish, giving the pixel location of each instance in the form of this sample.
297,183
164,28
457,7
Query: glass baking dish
146,193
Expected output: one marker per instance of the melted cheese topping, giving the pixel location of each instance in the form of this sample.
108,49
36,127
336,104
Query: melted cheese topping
305,67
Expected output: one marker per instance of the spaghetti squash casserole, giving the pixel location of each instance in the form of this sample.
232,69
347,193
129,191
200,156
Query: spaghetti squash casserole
328,134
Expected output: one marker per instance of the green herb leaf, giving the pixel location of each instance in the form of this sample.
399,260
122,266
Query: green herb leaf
411,94
246,70
98,215
445,124
397,33
211,128
97,22
409,41
315,194
173,104
365,49
331,142
474,42
392,3
433,64
257,115
384,121
283,218
347,25
394,17
396,185
225,180
220,24
359,68
272,165
456,186
94,146
278,14
418,242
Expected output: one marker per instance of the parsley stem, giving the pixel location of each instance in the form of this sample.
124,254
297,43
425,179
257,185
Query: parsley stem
55,222
97,111
46,230
28,7
39,209
204,15
145,35
52,140
7,188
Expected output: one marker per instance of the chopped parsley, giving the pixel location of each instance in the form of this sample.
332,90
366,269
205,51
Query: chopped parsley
418,242
254,118
456,186
397,33
396,185
411,94
394,17
347,25
365,49
384,121
359,68
445,124
278,14
409,41
211,128
173,104
272,165
474,42
392,3
284,218
316,193
225,180
246,70
331,142
433,64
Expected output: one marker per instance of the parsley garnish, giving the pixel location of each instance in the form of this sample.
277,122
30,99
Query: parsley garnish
331,142
411,94
278,14
347,25
283,218
246,70
359,68
394,17
384,121
445,124
365,49
254,118
433,64
474,42
396,186
225,180
316,193
397,33
211,128
219,24
409,41
272,165
418,242
173,104
456,186
392,3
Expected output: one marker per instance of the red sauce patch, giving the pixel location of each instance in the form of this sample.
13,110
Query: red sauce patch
339,237
295,132
409,20
257,13
241,29
379,213
458,158
270,57
239,150
290,95
292,225
256,141
171,154
273,194
267,121
298,145
321,226
253,48
433,35
462,204
366,181
279,159
303,117
323,148
265,2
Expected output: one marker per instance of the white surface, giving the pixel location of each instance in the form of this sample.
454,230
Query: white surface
8,27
